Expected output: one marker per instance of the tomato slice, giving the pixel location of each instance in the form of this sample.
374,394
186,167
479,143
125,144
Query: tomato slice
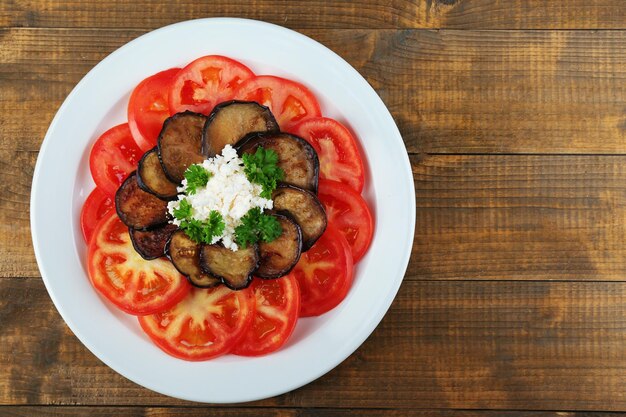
130,282
98,204
205,82
205,324
289,101
340,159
347,210
148,108
277,308
114,155
324,273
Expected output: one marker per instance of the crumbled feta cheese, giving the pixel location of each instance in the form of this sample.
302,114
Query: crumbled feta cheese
228,191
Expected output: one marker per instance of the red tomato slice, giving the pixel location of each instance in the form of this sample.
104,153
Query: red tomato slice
96,206
277,308
205,324
324,273
130,282
148,108
205,82
340,159
114,155
289,101
347,211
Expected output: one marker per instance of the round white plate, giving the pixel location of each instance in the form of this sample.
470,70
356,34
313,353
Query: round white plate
62,182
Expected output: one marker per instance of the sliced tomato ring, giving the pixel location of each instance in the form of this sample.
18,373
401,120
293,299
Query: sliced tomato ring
277,308
347,210
205,324
324,273
120,274
205,82
339,156
289,101
113,156
97,204
148,108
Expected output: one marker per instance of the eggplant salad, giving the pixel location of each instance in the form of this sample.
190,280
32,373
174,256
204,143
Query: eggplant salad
225,197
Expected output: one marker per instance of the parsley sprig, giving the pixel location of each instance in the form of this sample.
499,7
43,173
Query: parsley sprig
262,168
256,226
196,177
198,230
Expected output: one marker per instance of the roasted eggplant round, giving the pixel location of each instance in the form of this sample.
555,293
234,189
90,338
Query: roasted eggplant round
233,268
295,156
151,177
230,121
138,209
185,255
305,208
150,244
180,144
278,257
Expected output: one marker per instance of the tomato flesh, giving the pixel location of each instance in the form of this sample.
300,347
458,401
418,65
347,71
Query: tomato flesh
113,156
148,108
289,101
96,206
349,212
120,274
205,82
339,156
277,308
207,323
324,273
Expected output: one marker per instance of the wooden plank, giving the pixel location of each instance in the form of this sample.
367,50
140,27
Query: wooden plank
449,91
466,14
481,217
28,411
465,345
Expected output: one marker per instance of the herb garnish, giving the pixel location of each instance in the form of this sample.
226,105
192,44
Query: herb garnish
257,226
196,177
262,168
199,230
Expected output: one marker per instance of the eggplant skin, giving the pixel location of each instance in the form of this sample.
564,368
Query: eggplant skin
279,257
151,244
151,177
184,254
233,268
138,209
230,121
180,144
305,208
296,156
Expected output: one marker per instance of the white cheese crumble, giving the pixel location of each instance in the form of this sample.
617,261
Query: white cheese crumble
228,191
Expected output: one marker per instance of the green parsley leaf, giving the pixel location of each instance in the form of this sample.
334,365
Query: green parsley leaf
262,168
196,177
257,226
204,231
183,211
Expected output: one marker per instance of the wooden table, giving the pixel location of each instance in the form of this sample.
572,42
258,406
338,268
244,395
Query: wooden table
514,115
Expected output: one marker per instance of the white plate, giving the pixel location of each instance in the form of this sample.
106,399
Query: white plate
62,182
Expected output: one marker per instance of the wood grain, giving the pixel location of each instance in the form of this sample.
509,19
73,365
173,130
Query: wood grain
509,345
21,411
458,14
449,91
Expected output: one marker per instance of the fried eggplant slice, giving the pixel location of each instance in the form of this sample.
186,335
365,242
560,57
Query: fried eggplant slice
138,209
295,156
185,256
150,244
305,208
279,257
180,144
234,268
151,177
230,121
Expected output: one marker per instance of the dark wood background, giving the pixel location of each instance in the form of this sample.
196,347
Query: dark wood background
514,115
